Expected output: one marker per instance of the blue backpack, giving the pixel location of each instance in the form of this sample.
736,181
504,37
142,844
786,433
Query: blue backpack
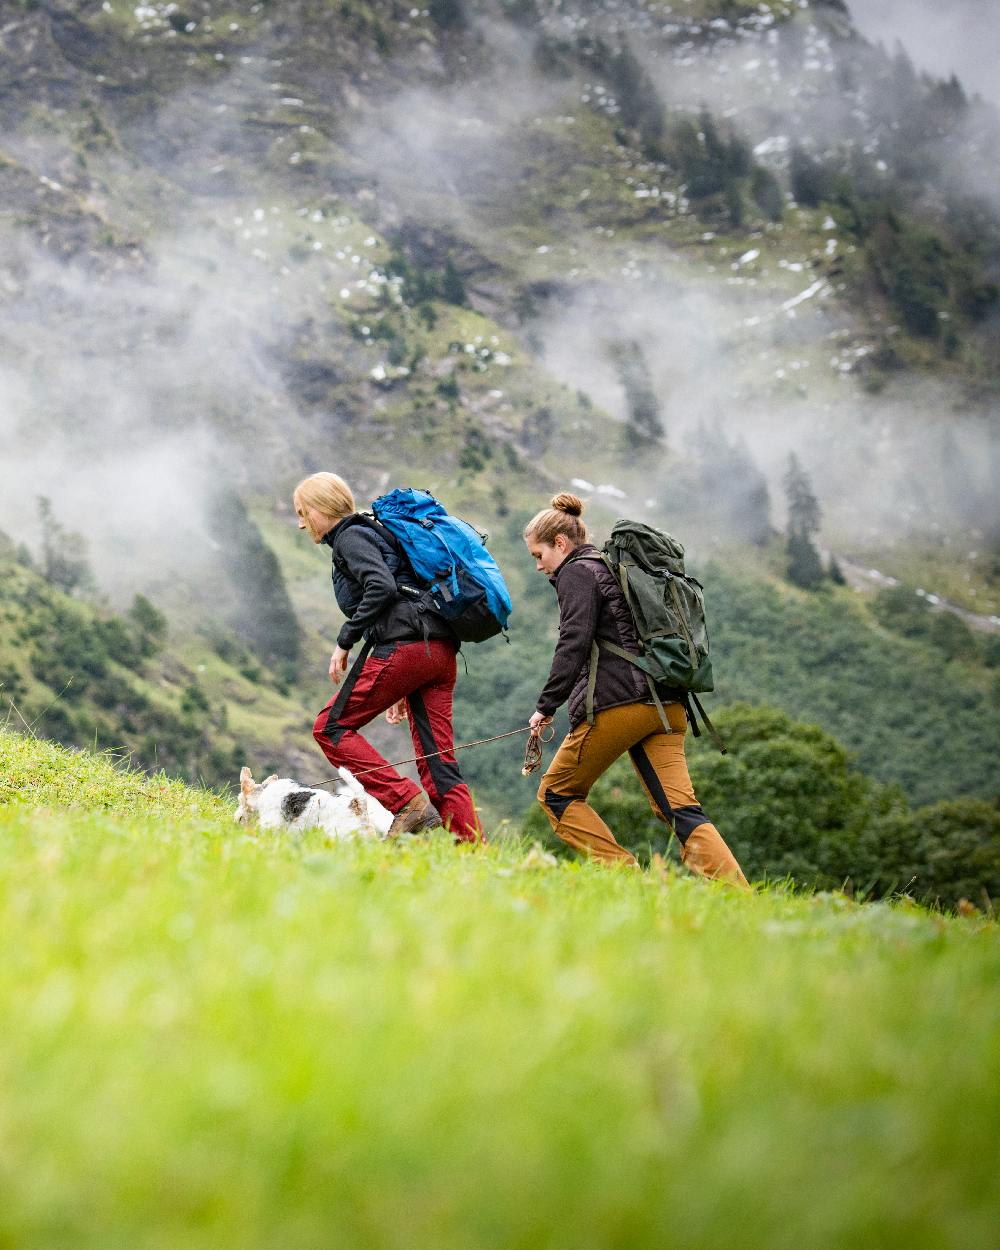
464,583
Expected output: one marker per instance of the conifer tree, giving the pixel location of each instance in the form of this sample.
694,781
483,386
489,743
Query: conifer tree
263,614
804,568
64,554
643,422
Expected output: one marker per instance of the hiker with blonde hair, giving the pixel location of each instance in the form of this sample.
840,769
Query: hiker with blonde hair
611,707
407,667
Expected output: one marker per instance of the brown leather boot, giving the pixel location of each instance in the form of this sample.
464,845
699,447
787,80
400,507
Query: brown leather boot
706,853
414,817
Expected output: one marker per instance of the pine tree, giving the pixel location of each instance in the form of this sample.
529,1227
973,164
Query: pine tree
805,568
452,286
767,193
643,423
732,484
264,617
64,555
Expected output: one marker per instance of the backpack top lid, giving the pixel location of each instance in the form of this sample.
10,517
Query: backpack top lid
408,505
650,548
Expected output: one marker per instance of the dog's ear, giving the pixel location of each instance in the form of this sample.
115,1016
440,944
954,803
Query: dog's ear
246,780
267,780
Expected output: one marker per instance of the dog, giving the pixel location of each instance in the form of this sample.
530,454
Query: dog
281,803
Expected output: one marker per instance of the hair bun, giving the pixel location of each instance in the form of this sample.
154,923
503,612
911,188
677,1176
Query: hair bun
570,504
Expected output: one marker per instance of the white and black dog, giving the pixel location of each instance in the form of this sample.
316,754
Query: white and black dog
281,803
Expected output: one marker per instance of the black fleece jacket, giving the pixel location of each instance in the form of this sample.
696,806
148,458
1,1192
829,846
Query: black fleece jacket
592,607
369,571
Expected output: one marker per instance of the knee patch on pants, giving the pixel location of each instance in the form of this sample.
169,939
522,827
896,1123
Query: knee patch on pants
687,819
327,727
555,802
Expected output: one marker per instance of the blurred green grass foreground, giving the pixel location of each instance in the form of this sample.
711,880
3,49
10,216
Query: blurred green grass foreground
212,1038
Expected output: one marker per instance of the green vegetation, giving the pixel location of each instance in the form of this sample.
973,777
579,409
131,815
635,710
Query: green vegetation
230,1040
909,714
792,805
263,615
805,569
86,676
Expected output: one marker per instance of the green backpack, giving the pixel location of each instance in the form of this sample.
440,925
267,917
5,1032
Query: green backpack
668,608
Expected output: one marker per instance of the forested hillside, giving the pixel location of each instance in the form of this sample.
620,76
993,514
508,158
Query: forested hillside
727,267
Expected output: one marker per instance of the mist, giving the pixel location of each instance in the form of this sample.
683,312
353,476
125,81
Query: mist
123,394
961,37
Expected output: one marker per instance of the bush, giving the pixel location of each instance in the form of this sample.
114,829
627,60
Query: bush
951,634
959,853
905,613
150,623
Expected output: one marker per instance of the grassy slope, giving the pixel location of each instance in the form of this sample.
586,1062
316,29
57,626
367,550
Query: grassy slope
230,1040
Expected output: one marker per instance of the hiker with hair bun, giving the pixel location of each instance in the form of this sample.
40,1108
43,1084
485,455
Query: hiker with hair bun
617,697
407,667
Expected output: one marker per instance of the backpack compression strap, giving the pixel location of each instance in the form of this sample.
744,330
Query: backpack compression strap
622,580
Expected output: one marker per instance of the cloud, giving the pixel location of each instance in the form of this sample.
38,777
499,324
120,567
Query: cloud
961,37
122,393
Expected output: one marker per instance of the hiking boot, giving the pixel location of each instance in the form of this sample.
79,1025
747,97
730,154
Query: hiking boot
414,817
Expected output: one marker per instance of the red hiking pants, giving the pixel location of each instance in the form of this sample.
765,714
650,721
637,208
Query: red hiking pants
424,675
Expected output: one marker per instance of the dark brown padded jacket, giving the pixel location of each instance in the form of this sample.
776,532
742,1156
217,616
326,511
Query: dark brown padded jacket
592,607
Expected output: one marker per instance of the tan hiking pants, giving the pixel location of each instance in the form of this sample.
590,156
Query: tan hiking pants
659,761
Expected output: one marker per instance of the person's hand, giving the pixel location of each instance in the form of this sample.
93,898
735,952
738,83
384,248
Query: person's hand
397,713
536,723
338,665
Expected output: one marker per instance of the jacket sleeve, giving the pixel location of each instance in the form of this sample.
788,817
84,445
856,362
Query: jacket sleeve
359,551
579,601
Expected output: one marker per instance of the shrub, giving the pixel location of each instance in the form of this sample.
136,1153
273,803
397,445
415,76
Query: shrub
959,852
905,613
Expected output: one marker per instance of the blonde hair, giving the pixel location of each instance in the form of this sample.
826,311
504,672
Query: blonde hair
562,516
327,493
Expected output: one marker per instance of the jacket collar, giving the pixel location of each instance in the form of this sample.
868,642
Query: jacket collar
343,524
584,549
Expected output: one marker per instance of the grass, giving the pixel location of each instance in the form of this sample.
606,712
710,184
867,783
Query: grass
219,1039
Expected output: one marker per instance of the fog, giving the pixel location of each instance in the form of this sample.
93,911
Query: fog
121,400
960,37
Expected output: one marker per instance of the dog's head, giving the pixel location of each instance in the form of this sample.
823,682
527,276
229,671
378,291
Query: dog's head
248,804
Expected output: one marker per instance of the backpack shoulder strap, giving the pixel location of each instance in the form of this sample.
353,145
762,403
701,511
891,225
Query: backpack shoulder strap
596,647
372,522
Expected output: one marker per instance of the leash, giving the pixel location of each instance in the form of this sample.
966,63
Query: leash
532,753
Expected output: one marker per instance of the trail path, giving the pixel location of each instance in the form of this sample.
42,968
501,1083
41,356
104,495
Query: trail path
868,581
